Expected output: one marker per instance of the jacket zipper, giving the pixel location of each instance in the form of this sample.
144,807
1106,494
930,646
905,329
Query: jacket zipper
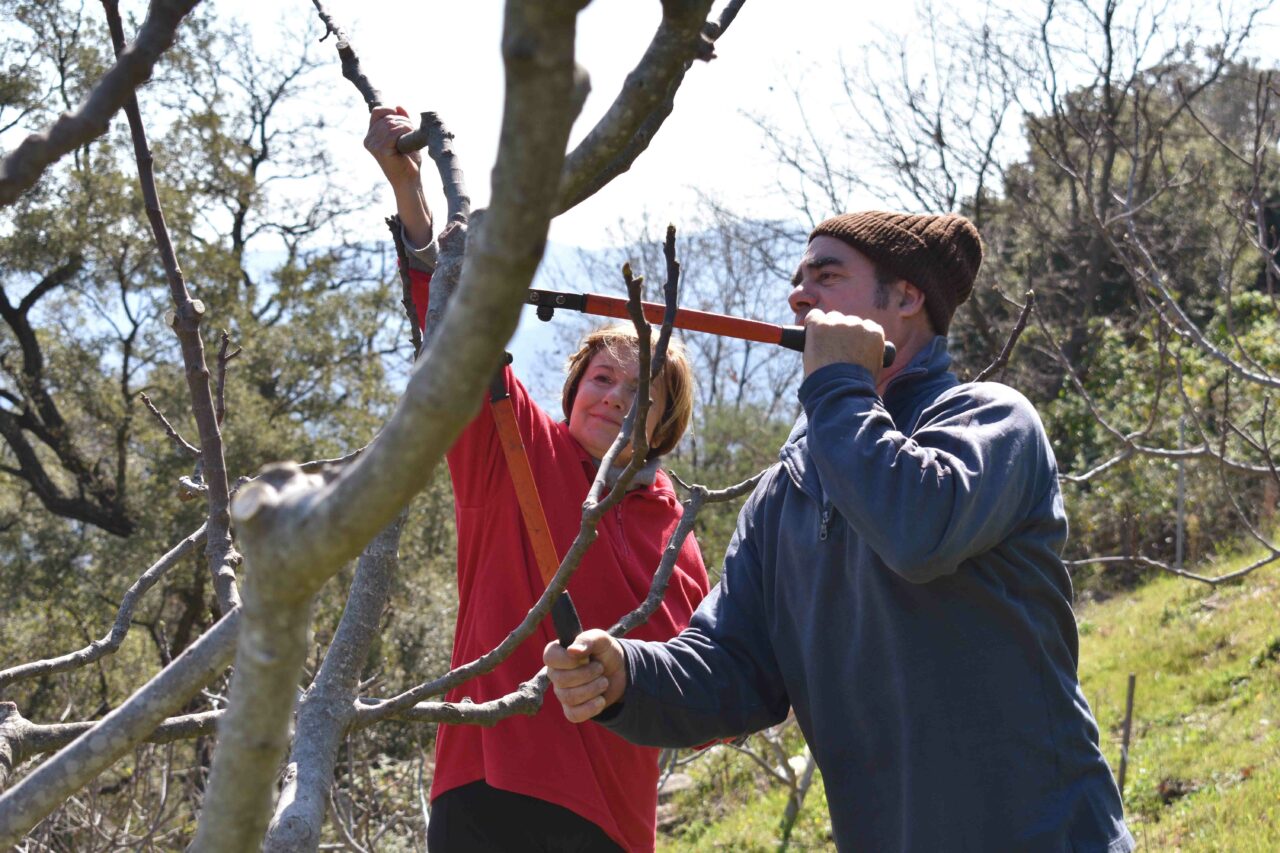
826,520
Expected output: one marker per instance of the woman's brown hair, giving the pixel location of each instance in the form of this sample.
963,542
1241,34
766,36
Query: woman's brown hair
676,378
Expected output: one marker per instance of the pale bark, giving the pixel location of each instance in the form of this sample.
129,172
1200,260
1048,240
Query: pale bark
436,138
297,530
644,102
73,767
328,707
21,739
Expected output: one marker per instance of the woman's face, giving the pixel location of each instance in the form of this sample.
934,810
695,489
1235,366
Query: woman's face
605,392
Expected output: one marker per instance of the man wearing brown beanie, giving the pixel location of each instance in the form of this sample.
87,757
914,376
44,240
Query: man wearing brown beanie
896,580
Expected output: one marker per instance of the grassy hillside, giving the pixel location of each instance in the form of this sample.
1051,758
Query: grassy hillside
1204,759
1204,756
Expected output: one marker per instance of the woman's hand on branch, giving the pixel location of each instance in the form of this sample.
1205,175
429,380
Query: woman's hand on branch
386,125
588,676
403,171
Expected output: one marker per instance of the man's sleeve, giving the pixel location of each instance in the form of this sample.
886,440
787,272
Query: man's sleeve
959,485
717,678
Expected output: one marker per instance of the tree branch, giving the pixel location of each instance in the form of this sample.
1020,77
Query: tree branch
224,359
1003,360
22,167
168,428
124,616
186,324
297,530
73,767
438,140
350,62
699,496
327,708
21,739
644,102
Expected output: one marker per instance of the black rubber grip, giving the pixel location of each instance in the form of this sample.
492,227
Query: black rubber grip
565,617
793,338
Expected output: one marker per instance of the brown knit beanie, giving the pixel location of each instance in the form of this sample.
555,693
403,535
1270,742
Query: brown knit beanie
938,254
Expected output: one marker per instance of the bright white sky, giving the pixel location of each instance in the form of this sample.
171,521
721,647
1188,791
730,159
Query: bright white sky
444,56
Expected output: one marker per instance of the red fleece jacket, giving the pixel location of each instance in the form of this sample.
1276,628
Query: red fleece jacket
586,769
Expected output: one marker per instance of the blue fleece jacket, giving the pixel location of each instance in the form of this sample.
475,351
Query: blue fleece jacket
896,580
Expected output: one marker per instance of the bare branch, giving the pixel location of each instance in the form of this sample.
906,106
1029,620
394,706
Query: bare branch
21,739
186,324
671,300
224,358
699,495
1149,563
111,642
438,140
22,167
643,104
173,434
1003,360
45,788
350,62
328,706
452,244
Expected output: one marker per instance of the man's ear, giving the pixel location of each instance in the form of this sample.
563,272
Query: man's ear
911,301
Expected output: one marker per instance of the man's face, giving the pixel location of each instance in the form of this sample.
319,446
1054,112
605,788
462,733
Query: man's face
834,276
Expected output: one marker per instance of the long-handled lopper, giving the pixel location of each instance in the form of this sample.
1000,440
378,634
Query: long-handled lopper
791,337
563,614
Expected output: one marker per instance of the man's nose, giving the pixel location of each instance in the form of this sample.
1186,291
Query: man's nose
800,299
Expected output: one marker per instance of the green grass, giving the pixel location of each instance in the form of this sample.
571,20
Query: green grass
1204,754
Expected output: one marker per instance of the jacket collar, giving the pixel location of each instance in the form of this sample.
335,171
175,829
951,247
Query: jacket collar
927,370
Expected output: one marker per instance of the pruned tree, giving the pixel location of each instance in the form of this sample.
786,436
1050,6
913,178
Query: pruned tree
297,525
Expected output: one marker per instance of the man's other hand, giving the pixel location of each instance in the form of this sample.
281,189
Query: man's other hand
588,676
834,338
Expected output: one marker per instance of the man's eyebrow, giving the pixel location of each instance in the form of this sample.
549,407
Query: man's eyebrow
815,264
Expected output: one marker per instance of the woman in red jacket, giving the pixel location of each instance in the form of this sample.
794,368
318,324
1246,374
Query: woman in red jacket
541,783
